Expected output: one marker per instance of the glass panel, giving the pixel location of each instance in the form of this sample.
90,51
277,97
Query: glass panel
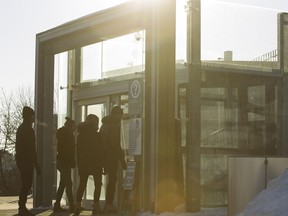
235,119
181,129
97,109
60,104
239,99
124,55
181,31
124,103
212,118
181,83
235,26
60,86
213,179
100,111
115,57
83,113
91,62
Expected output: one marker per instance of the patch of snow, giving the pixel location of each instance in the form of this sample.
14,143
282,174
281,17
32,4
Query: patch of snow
203,212
273,201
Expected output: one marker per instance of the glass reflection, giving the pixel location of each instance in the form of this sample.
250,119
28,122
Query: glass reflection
114,57
60,104
91,62
60,86
239,84
238,27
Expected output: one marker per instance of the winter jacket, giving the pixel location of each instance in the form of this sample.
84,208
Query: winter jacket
26,155
66,147
89,149
110,134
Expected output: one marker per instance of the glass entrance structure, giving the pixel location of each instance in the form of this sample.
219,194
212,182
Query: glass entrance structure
201,90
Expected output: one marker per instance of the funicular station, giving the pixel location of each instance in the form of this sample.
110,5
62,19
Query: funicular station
184,116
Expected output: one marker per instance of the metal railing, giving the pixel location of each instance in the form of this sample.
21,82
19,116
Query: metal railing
270,56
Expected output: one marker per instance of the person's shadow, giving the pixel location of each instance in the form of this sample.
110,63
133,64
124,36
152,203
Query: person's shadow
34,211
62,214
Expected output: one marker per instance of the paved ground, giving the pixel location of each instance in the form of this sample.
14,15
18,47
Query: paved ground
9,207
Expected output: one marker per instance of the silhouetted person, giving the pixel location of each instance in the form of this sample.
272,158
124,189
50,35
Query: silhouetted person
113,153
65,162
26,157
89,160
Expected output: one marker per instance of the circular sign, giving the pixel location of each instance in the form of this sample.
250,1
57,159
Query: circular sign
135,89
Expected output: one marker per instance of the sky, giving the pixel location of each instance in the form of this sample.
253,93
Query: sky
21,20
227,25
246,27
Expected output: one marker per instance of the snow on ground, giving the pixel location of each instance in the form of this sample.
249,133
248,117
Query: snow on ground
273,201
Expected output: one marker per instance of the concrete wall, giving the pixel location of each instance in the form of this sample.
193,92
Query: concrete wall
247,176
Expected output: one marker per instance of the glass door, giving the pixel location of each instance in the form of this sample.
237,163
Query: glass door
99,107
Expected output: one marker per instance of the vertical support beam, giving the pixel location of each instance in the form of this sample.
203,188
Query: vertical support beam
193,161
39,104
150,123
71,82
76,109
44,128
163,108
270,111
47,142
283,62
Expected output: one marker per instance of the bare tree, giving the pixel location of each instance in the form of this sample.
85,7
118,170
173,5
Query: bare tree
11,105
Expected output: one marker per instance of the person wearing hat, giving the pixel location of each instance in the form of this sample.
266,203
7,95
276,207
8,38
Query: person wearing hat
113,153
89,160
26,157
65,162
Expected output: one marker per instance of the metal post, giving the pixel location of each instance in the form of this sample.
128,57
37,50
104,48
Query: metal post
283,63
44,138
193,166
163,108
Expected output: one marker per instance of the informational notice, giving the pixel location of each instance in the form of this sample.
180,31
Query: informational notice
134,147
135,101
128,182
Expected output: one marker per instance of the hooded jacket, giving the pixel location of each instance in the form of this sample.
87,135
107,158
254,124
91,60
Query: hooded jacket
25,146
110,134
89,149
66,147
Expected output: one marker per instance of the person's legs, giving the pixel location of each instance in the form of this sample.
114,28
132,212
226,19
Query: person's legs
62,184
69,191
81,187
97,190
80,191
26,173
61,188
65,182
112,178
26,184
